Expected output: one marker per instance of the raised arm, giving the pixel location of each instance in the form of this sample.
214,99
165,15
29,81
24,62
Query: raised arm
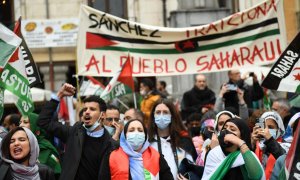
45,117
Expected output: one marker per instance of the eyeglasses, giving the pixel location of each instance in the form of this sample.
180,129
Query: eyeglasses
127,118
111,119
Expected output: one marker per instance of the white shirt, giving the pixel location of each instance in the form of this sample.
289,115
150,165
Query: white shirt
169,156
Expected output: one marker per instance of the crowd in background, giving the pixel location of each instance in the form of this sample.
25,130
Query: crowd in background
209,136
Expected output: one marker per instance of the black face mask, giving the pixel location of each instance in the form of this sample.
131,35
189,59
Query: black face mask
207,134
195,131
221,139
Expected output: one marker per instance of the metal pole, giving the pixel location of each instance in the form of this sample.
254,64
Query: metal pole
51,68
164,13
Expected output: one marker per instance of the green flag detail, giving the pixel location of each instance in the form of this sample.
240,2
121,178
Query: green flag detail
17,84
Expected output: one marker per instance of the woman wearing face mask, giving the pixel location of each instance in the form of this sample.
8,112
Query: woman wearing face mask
19,153
207,130
221,118
135,159
48,154
267,140
232,159
168,135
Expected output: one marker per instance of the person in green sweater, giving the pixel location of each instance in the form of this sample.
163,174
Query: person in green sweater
233,159
48,154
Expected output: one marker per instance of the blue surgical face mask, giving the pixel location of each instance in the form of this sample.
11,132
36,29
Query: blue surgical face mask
94,126
111,130
162,120
274,133
136,139
125,122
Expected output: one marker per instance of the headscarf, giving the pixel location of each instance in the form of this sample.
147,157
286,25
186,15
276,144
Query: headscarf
244,129
30,172
294,118
44,144
207,123
276,117
135,158
219,115
288,136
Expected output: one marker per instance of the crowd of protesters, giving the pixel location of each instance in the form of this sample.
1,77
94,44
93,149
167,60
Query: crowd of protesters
211,136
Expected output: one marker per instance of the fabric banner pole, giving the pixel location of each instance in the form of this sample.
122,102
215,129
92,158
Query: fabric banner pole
134,100
121,102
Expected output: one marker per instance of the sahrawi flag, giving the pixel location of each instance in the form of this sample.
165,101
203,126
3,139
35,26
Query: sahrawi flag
9,42
31,69
285,73
91,86
121,84
249,38
14,79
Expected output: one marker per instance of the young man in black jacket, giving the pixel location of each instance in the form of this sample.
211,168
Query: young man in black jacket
87,142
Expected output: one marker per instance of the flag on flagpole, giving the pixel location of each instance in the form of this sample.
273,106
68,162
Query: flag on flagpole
9,42
122,83
14,79
31,69
91,87
285,73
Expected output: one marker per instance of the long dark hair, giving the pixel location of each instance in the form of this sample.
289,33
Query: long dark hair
6,142
176,127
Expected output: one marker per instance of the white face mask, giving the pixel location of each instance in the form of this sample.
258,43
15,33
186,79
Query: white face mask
143,92
163,120
94,126
136,139
110,130
274,133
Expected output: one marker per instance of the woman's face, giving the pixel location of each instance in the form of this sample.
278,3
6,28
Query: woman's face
233,128
222,119
24,122
162,109
135,126
271,124
19,145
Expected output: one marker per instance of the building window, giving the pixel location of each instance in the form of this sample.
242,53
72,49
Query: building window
7,13
115,7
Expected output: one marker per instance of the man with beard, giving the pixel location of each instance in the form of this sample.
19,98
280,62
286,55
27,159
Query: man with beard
88,144
199,99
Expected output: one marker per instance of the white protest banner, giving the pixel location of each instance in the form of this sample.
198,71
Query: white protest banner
252,37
